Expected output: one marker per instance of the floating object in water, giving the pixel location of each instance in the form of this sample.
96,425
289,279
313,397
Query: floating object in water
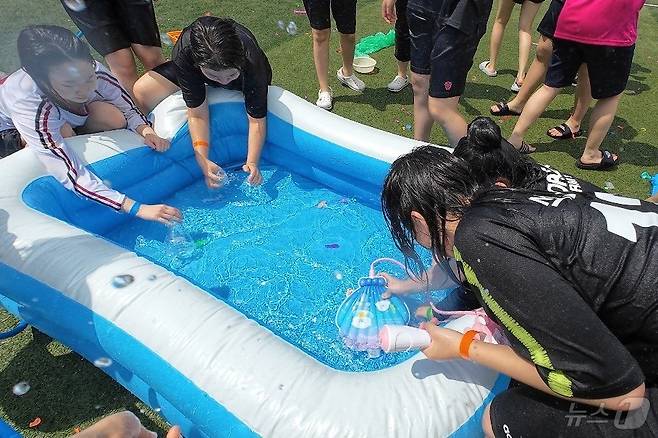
76,5
322,204
332,245
291,28
338,275
200,243
103,362
223,177
362,314
21,388
121,281
344,200
181,242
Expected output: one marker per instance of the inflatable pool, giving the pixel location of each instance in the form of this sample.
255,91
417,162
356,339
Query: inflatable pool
211,353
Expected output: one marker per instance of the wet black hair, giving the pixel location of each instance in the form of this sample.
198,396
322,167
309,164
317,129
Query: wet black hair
42,47
216,44
434,183
493,158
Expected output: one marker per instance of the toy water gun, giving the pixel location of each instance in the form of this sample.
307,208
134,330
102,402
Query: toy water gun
653,180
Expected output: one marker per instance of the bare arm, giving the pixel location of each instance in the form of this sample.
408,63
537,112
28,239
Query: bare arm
198,121
257,132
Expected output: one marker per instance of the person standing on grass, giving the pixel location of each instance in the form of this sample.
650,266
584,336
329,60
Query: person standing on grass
444,37
529,9
119,29
319,14
220,53
395,12
536,75
601,34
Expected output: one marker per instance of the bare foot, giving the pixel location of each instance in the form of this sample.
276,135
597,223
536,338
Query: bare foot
575,127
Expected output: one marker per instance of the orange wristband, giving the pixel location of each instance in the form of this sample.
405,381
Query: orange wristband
465,343
199,143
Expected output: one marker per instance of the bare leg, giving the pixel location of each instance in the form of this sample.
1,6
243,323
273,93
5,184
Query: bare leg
150,56
151,89
599,122
122,64
582,100
120,425
535,76
103,116
422,119
526,18
487,427
505,8
532,111
321,56
445,111
347,43
403,68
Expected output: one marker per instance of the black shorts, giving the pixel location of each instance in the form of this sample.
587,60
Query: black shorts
10,142
343,11
608,66
520,2
548,24
402,42
526,412
111,25
441,51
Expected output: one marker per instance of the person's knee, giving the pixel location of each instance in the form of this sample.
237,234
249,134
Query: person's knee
348,37
151,58
443,110
487,426
420,83
544,50
321,36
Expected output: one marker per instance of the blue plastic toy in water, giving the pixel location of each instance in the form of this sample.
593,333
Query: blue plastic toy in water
363,313
653,180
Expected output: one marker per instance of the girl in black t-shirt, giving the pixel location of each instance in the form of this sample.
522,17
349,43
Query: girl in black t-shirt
221,53
570,278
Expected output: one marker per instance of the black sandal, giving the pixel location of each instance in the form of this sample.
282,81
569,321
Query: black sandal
565,132
607,162
503,110
526,148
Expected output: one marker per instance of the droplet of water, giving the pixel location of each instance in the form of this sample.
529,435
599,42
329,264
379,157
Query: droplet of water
76,5
121,281
281,24
338,275
608,186
152,277
281,386
373,353
97,407
21,388
103,362
157,409
35,300
108,183
222,177
407,127
291,28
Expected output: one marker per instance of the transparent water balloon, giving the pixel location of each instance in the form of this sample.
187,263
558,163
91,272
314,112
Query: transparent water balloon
21,388
291,28
166,39
281,25
223,177
608,186
180,242
103,362
76,5
121,281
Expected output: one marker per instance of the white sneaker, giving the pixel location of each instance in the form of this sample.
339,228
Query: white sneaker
325,100
398,84
483,66
351,82
515,87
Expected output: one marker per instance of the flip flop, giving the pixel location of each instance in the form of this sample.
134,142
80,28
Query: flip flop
503,110
483,66
526,148
607,162
565,132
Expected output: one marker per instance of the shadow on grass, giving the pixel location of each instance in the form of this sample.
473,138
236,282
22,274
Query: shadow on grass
66,390
378,98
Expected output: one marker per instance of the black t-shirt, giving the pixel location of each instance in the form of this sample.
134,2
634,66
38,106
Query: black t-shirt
573,281
253,81
469,16
558,182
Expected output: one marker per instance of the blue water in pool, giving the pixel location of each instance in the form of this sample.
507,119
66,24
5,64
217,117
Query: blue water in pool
283,254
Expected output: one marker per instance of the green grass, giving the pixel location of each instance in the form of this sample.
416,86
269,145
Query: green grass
67,392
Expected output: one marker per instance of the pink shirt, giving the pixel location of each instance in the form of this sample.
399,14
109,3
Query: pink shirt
599,22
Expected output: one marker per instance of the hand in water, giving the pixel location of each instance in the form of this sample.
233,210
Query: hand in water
254,178
160,212
445,342
394,286
211,173
157,143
